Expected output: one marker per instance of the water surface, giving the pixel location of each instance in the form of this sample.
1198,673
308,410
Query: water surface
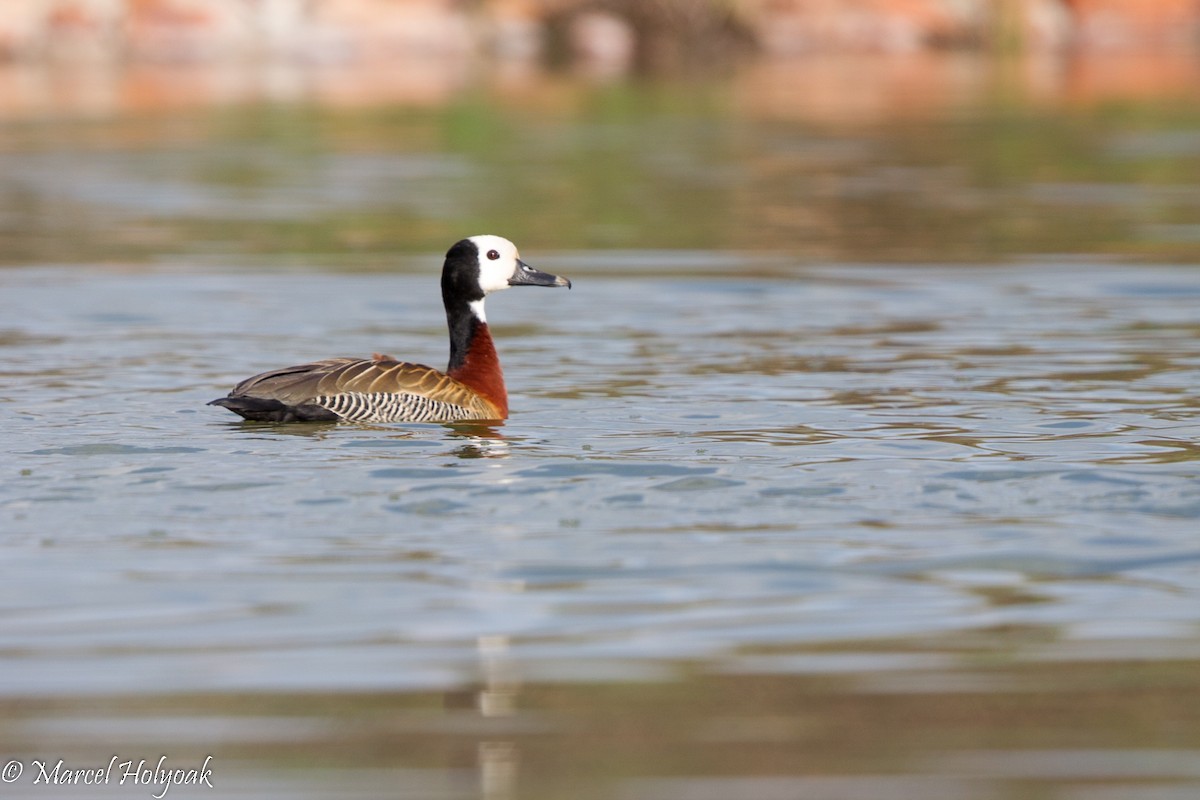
741,468
861,461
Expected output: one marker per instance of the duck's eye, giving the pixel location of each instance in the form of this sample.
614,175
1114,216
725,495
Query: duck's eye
493,255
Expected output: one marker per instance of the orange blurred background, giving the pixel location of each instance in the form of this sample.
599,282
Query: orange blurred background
844,60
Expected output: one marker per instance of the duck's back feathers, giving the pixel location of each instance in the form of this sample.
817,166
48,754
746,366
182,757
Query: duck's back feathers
357,390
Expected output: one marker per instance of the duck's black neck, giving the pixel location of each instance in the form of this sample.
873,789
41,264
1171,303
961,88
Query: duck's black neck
464,327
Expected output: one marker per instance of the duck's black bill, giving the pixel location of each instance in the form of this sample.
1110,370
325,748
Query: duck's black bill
528,276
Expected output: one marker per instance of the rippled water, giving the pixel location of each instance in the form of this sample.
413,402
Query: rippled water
716,465
766,521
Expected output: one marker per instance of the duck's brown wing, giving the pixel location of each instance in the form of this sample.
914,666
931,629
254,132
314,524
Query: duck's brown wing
357,390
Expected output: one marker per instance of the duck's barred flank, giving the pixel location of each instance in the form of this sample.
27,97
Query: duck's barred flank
393,407
358,390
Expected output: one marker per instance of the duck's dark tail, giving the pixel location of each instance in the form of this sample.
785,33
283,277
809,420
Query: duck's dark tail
260,409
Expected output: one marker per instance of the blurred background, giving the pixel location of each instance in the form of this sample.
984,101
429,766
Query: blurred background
861,130
859,464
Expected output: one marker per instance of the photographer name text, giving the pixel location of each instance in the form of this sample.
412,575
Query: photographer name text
158,776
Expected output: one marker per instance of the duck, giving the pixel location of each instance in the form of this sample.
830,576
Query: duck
384,389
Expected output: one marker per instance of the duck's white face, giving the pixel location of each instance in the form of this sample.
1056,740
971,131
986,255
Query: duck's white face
498,262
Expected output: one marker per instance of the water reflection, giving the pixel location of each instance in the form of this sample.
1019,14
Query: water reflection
833,159
952,717
822,88
480,439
